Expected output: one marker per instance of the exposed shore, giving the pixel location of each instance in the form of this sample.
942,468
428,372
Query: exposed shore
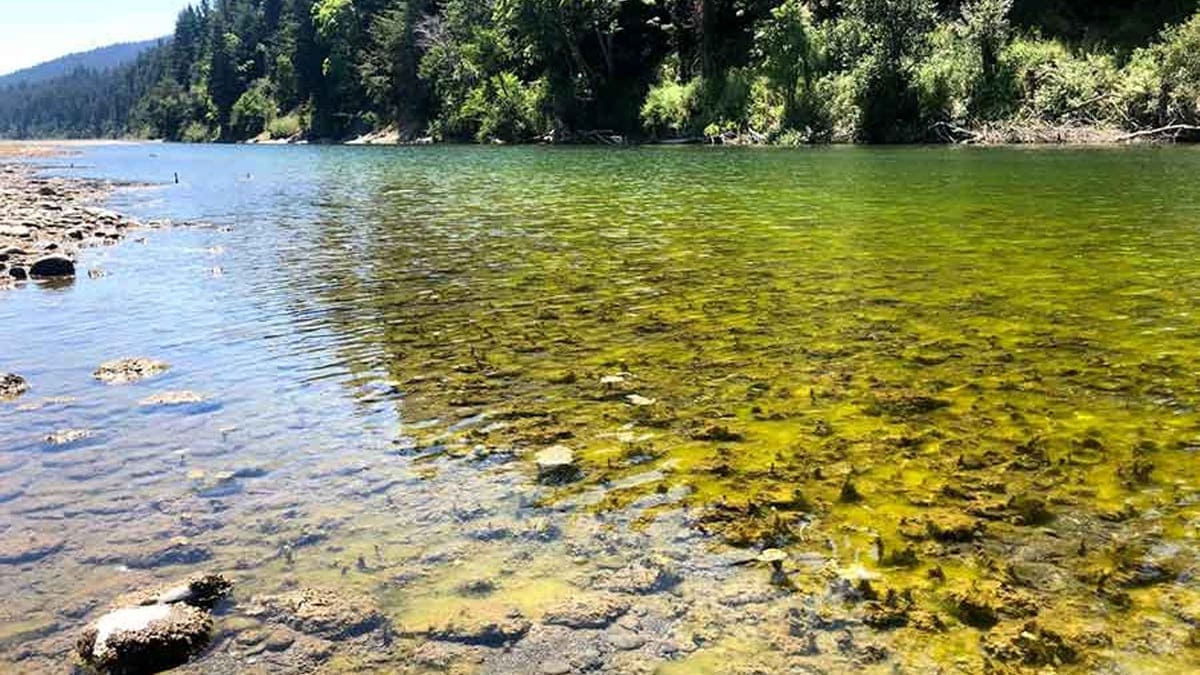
995,134
45,222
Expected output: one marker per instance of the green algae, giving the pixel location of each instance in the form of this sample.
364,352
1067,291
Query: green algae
840,361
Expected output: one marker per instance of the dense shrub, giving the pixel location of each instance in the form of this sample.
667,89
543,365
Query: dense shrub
948,79
1178,54
789,54
252,112
288,126
670,109
1055,85
506,109
196,132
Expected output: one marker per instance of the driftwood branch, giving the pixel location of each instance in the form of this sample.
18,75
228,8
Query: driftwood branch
955,133
1175,129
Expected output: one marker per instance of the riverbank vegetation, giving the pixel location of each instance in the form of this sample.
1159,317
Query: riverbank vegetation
790,71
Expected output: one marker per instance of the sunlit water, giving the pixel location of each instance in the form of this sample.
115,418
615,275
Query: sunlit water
834,352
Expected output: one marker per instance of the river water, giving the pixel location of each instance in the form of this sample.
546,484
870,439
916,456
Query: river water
956,387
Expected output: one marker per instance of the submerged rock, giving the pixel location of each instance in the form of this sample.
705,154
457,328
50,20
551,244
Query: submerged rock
587,612
904,405
556,465
68,436
326,612
19,549
127,371
202,590
481,631
641,579
983,605
717,433
943,526
1030,644
173,398
12,386
175,553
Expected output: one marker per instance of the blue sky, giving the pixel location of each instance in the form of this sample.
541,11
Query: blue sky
33,31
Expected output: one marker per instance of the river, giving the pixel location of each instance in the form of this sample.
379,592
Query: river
957,388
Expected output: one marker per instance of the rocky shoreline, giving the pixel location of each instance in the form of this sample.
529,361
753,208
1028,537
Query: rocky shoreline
45,222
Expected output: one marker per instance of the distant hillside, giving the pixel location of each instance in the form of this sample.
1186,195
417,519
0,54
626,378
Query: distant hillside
104,58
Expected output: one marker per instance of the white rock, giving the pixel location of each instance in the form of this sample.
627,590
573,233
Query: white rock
128,620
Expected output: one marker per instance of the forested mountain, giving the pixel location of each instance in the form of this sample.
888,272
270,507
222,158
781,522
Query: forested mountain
519,70
104,58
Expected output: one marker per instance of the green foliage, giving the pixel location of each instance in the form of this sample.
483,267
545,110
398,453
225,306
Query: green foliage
391,63
842,92
1055,85
988,27
724,100
506,109
252,111
287,126
947,80
789,71
896,37
1178,56
84,103
196,132
789,56
670,109
337,24
164,111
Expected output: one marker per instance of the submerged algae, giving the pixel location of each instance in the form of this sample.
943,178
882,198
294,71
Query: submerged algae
924,386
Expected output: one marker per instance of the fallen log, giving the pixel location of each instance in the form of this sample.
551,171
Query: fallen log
1176,129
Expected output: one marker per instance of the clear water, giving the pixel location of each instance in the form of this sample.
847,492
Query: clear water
389,335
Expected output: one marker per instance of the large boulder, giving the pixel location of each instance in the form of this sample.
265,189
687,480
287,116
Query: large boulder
52,267
157,630
145,639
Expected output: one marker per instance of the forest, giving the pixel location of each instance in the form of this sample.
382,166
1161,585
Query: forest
761,71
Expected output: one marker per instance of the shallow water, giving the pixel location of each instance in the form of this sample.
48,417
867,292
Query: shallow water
888,362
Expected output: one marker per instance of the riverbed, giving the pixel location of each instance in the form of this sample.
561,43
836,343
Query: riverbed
833,410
